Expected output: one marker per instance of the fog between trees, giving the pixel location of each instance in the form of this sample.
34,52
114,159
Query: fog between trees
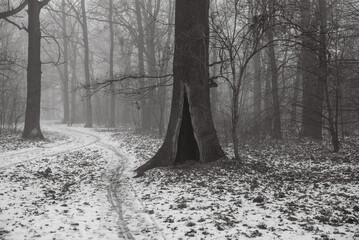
275,69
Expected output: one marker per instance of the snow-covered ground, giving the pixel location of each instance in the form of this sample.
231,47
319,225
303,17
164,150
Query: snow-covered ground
80,185
59,189
275,195
58,197
16,150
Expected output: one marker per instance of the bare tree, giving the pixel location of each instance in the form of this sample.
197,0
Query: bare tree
32,115
66,64
277,132
145,120
87,65
238,36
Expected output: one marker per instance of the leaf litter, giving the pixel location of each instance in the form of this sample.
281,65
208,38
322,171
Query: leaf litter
295,189
58,197
12,141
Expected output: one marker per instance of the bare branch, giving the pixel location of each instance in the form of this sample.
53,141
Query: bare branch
13,11
43,3
16,25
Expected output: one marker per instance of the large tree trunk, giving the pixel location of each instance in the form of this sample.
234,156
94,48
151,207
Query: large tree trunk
87,66
32,116
312,86
190,98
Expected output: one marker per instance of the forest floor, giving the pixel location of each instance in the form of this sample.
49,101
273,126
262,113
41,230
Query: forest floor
56,189
295,189
83,188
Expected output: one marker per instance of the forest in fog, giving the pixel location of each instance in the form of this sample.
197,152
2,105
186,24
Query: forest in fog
276,68
179,119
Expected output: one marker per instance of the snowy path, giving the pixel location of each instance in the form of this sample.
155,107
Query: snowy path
34,204
78,139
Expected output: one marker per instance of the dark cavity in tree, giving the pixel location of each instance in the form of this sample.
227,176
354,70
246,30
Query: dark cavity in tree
187,147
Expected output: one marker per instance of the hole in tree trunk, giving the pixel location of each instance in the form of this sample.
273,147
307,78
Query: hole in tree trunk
187,148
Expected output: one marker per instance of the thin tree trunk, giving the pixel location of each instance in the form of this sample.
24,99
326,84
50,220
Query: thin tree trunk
74,84
235,121
66,65
87,67
99,111
150,20
277,132
257,93
112,86
268,104
283,73
298,75
332,118
214,94
145,122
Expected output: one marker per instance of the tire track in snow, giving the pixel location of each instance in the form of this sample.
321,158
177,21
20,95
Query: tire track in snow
113,194
133,216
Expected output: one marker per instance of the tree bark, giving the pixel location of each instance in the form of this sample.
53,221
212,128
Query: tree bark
190,69
32,115
87,66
